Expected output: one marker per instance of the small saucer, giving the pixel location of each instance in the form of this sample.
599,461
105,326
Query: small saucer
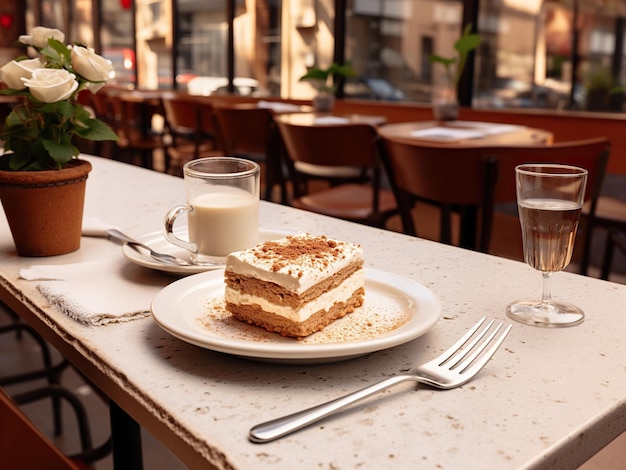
157,241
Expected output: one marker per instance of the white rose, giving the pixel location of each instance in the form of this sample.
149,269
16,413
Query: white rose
39,36
51,85
90,65
13,72
94,87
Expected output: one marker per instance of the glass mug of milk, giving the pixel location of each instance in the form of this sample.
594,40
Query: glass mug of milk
222,208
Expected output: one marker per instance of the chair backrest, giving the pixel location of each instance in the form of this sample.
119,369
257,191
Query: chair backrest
23,446
243,129
481,177
338,153
591,154
182,114
128,120
336,145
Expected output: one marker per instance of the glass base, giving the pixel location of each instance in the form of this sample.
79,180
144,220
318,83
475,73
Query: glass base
549,315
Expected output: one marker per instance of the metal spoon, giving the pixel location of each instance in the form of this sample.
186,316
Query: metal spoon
122,238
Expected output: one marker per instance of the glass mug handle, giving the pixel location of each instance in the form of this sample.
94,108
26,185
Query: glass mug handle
168,228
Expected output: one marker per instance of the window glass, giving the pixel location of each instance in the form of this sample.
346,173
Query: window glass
389,42
257,47
117,42
549,54
202,46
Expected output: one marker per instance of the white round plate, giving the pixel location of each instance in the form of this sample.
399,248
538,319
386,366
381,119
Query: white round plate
157,241
396,310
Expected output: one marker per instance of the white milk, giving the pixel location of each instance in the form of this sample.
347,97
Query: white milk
223,222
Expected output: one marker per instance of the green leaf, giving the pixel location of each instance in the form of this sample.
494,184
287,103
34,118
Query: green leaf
65,109
335,70
96,130
61,153
12,92
433,58
345,70
81,113
16,118
315,74
56,53
467,44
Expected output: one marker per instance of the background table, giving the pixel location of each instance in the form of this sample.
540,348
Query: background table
517,135
549,398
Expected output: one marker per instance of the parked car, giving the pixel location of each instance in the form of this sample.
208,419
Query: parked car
123,60
371,88
205,86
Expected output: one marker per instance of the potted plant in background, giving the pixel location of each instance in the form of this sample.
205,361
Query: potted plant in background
444,97
42,180
325,81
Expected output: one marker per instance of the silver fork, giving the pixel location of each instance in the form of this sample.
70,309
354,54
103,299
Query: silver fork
455,367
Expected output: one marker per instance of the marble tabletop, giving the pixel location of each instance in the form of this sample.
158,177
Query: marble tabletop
550,398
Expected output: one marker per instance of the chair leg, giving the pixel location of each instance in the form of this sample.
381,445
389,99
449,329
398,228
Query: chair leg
586,254
147,158
57,392
607,260
49,371
54,390
446,224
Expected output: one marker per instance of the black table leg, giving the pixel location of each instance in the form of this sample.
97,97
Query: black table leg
126,439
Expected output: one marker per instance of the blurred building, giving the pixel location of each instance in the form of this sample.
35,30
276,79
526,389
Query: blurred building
564,54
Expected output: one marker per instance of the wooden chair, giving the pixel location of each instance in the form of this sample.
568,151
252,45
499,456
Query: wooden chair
21,439
190,137
248,131
23,446
132,122
609,215
337,153
615,239
472,180
53,391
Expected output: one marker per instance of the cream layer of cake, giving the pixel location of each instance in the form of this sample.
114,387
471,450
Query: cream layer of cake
295,285
301,313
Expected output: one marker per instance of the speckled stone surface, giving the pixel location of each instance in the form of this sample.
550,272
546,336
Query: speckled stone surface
550,398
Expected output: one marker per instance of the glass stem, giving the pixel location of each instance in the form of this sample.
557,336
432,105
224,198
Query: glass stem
546,296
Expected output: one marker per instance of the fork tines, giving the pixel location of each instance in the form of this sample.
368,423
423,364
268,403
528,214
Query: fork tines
471,352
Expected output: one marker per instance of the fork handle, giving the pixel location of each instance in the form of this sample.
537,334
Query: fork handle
279,427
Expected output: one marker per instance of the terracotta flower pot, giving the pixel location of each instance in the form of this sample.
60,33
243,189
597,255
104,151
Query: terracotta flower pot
323,102
445,103
45,208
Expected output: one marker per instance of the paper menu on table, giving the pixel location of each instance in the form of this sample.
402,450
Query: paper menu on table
455,131
447,134
330,120
278,106
487,128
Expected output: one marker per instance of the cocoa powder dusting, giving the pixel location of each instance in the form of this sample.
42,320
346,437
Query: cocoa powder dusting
297,250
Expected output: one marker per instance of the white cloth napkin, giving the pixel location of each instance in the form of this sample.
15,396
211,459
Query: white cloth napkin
97,292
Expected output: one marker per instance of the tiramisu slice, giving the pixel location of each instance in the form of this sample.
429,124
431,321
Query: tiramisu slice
295,286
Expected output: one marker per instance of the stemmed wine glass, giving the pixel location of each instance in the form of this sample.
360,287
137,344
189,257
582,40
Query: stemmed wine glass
549,199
